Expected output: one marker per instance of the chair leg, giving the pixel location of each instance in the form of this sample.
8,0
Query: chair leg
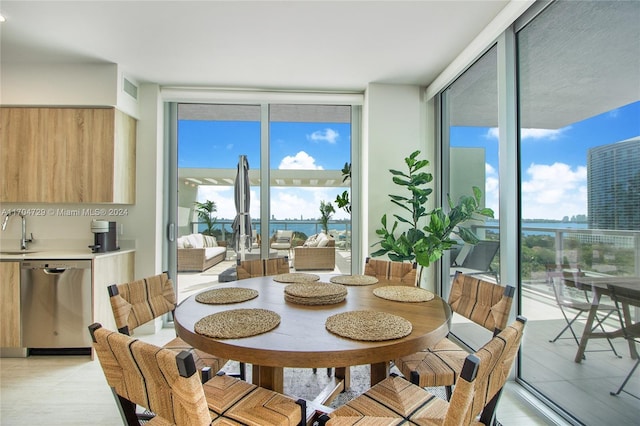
127,410
599,324
620,389
568,326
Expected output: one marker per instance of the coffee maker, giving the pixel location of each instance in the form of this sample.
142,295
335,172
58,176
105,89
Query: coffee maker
105,236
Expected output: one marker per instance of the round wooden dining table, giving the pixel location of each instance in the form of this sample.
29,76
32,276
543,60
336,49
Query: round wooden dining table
301,338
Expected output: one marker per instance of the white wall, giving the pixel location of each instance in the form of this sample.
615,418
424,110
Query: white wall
60,227
395,126
65,85
394,120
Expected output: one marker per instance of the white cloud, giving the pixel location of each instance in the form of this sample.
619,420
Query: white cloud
294,203
301,161
554,191
551,134
328,135
492,189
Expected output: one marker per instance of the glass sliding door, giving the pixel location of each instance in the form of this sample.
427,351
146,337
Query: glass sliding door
211,139
470,120
579,95
309,146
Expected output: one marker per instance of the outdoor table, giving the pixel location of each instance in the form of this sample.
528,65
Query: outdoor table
598,288
301,339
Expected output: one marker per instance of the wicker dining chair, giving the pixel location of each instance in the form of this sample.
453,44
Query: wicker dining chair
486,304
138,302
403,273
261,267
474,400
165,383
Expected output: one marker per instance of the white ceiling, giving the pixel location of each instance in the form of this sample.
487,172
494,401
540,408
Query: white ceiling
296,45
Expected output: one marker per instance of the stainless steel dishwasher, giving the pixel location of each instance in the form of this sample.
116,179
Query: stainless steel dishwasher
56,306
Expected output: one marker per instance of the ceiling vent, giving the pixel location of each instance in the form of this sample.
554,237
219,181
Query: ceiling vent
130,88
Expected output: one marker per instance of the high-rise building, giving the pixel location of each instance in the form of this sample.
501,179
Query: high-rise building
613,176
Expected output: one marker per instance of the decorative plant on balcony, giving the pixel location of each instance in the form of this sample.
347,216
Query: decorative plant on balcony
326,211
427,244
205,213
342,200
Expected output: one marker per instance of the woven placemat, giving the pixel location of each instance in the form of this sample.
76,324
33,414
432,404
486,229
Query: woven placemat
403,293
354,279
315,293
296,277
369,326
237,323
220,296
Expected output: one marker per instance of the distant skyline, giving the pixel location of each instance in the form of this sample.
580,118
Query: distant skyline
553,161
300,146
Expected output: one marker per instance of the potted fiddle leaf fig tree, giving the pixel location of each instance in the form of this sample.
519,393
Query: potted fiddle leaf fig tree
425,244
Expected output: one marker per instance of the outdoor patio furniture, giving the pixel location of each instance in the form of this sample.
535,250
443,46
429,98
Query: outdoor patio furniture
567,299
282,240
320,254
197,252
478,258
624,297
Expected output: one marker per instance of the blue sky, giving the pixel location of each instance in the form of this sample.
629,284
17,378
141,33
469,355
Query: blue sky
553,162
303,146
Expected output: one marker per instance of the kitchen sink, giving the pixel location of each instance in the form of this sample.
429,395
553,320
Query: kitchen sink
16,252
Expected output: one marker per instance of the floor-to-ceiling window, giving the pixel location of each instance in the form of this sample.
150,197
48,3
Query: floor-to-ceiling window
575,155
579,108
470,119
297,156
309,146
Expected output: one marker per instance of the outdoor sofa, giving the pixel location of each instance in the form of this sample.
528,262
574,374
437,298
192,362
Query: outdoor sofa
197,252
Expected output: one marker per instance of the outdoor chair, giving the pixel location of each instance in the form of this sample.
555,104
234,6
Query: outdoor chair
282,240
486,304
474,400
624,297
403,273
478,258
138,302
165,383
571,299
261,267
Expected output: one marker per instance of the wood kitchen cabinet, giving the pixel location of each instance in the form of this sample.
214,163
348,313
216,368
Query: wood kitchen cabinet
10,305
112,269
67,155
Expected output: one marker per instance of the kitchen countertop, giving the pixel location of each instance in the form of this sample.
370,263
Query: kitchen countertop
48,253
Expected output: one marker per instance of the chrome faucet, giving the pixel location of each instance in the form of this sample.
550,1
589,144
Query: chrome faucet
23,240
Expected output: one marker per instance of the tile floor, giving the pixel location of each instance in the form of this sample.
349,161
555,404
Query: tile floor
72,390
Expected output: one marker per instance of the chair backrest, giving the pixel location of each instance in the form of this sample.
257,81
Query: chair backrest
262,267
485,303
496,359
556,276
481,255
160,380
403,273
283,236
138,302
